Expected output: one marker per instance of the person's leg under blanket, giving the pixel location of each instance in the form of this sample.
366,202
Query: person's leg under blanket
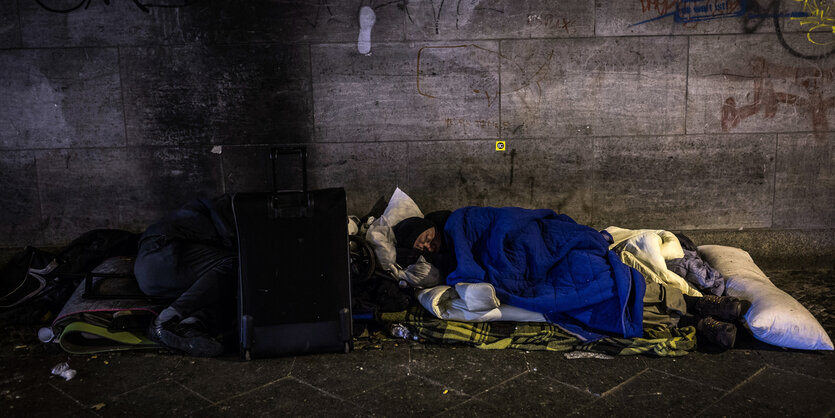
201,278
663,307
666,307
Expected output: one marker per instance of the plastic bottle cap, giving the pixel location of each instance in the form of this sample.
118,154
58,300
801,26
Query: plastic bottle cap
45,334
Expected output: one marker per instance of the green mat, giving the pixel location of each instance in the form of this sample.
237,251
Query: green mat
87,326
86,338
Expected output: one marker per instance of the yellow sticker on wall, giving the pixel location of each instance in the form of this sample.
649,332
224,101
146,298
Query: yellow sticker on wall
500,145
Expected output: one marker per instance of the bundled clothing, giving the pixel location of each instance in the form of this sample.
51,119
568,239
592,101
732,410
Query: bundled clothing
666,258
647,250
696,270
698,273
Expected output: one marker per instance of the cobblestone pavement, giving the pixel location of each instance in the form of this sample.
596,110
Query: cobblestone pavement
396,378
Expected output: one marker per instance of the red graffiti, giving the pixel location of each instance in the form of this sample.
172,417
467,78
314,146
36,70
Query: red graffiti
766,98
661,6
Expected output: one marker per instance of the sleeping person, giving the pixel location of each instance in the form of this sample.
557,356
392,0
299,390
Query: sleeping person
547,263
190,256
425,237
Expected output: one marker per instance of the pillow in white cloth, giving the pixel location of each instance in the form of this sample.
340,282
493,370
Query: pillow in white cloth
774,317
400,207
381,237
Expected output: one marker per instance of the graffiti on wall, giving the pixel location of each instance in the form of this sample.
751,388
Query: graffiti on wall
472,56
803,88
465,12
68,6
819,22
548,20
526,76
816,17
477,79
687,11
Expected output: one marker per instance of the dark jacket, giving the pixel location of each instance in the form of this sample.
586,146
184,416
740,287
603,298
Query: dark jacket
202,220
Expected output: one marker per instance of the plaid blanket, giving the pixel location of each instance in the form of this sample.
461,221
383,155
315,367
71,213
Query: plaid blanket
538,336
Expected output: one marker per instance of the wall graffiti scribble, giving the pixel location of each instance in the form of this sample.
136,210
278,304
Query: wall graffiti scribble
478,88
59,6
549,20
766,98
820,16
529,77
752,14
688,11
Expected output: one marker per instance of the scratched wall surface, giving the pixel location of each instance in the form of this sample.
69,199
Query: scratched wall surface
708,116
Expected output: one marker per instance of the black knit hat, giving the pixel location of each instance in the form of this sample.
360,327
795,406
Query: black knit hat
407,231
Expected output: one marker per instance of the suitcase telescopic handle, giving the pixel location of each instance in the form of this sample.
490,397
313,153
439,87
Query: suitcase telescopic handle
301,151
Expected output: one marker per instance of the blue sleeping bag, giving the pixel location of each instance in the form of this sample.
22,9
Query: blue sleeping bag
547,263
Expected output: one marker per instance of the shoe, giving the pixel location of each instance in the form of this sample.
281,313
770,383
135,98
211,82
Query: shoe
717,332
726,308
154,331
190,338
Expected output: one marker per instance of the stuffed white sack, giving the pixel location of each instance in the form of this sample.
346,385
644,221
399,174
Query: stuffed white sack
774,317
381,237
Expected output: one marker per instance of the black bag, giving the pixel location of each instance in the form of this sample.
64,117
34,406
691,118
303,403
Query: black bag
294,287
17,285
373,291
35,283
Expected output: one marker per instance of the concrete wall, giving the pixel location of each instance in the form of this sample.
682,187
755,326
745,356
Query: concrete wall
635,113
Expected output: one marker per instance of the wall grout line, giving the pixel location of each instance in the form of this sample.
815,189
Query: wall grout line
687,85
40,192
310,92
19,25
398,141
394,41
222,174
774,179
122,94
501,133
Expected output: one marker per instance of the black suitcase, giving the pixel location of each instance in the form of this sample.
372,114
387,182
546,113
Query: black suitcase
294,285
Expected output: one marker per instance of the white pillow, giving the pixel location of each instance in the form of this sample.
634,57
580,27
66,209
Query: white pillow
774,317
381,237
400,207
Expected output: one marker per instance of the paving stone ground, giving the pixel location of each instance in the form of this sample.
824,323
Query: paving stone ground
400,378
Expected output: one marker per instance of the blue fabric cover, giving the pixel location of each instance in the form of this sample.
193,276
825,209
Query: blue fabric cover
545,262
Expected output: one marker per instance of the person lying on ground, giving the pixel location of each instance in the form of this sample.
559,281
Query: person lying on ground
661,307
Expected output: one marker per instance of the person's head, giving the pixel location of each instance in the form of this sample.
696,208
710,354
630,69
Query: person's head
417,233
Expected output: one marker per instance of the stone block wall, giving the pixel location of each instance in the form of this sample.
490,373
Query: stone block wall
707,116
